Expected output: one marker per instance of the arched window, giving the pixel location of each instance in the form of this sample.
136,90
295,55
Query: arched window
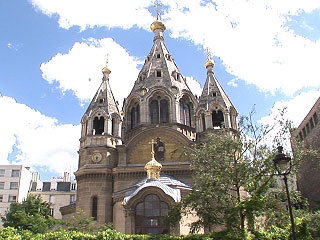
217,118
150,215
185,117
203,120
113,127
161,107
94,208
164,113
154,111
135,116
98,125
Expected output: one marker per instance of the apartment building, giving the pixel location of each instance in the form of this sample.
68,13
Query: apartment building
14,185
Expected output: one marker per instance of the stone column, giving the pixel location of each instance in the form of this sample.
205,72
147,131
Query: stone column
208,118
122,161
129,221
227,119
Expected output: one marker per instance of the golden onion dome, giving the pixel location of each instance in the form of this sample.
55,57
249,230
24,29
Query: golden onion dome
209,63
106,70
158,24
153,169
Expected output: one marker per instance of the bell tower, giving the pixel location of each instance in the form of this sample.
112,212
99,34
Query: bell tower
100,134
215,110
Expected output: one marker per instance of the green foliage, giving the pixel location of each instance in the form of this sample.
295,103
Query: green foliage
80,223
32,214
234,182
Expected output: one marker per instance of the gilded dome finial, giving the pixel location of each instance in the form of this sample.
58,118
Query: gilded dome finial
158,24
153,167
208,63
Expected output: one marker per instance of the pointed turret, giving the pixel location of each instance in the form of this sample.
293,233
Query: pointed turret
102,116
215,110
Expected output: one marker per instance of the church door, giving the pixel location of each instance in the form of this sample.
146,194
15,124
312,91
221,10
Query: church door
149,216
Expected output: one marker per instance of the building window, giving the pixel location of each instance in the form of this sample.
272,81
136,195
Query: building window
311,123
217,118
73,186
15,173
12,198
308,128
94,209
158,73
158,55
1,198
2,172
13,186
304,132
98,125
315,118
159,111
300,136
72,198
51,212
52,199
135,116
1,185
150,215
203,120
185,117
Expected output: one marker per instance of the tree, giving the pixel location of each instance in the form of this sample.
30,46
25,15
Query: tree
32,214
233,176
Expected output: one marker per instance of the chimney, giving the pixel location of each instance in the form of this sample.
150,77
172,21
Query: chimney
66,177
35,177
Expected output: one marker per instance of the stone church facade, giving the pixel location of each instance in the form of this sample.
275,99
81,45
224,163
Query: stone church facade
160,118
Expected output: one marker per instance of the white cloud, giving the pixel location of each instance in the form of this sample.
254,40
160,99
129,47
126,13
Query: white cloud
253,42
250,37
80,69
296,110
97,13
194,86
40,140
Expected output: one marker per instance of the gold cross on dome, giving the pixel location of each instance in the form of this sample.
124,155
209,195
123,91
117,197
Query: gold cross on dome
152,142
107,59
208,54
157,5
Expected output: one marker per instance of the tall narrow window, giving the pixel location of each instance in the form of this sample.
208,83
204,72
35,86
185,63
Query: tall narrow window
135,116
154,111
164,113
113,127
98,125
217,118
315,118
203,119
185,117
94,210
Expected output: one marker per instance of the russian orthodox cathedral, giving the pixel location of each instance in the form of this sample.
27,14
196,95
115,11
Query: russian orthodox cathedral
131,162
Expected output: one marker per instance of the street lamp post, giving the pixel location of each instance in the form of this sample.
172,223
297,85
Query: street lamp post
283,166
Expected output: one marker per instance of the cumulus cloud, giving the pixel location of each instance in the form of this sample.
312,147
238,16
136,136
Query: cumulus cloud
80,69
296,109
250,37
97,13
40,140
194,86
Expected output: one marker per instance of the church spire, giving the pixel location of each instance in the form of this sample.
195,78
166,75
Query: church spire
215,104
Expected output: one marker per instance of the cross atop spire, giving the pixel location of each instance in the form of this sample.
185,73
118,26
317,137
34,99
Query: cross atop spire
157,5
208,54
152,142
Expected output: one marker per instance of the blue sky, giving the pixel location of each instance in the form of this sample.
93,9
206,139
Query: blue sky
267,54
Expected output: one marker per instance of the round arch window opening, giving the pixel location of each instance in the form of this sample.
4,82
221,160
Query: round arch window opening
150,215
